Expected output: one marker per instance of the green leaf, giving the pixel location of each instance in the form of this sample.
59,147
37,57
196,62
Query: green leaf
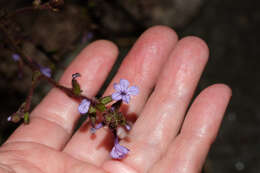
101,107
76,87
106,100
92,110
93,119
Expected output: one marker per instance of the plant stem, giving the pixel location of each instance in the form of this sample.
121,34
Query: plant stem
28,61
29,96
45,6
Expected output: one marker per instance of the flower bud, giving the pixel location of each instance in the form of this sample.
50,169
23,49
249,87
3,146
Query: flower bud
15,118
121,132
75,85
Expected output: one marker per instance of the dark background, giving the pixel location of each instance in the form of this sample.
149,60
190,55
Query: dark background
231,29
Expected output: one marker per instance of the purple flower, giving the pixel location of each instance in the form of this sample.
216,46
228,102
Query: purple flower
128,127
84,106
15,57
94,129
9,118
87,37
90,35
45,71
123,92
118,151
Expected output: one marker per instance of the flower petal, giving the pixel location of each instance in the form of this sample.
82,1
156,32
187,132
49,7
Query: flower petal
114,154
128,127
46,71
116,96
118,151
9,118
124,84
126,98
94,129
117,87
122,149
133,90
84,106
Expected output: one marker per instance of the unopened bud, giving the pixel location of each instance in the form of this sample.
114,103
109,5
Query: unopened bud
121,132
75,85
128,127
75,75
15,118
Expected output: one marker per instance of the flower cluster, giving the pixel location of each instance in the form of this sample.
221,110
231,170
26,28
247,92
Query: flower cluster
111,115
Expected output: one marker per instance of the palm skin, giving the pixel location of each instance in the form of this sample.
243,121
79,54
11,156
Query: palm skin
164,138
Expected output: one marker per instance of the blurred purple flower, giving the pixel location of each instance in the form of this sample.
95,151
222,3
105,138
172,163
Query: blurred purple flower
90,35
15,57
128,127
98,126
87,37
123,92
118,151
45,71
84,106
9,118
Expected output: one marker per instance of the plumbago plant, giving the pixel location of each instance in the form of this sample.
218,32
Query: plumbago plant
106,108
112,117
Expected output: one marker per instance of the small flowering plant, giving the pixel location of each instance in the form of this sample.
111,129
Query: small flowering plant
111,115
106,109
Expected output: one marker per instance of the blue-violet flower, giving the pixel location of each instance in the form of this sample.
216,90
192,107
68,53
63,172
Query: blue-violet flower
94,129
45,71
84,106
123,92
128,127
118,151
15,57
9,118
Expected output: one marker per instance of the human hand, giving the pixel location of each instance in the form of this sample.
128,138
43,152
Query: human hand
162,139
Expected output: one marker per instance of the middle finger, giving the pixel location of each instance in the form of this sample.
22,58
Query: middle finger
163,114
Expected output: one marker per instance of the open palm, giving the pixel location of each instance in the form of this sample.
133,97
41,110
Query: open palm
164,138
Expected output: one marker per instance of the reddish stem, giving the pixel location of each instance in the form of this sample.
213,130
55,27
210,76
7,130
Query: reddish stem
45,6
28,61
